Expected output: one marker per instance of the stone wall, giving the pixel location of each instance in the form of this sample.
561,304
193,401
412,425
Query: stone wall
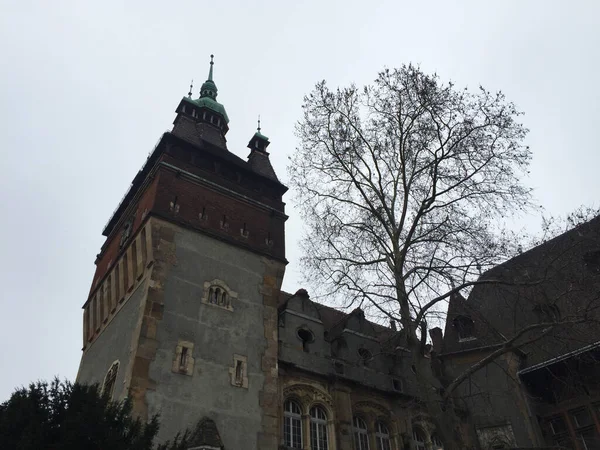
222,336
116,343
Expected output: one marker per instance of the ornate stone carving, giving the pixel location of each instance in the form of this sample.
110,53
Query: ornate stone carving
308,395
374,410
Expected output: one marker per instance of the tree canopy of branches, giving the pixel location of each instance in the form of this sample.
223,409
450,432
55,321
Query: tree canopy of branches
404,186
62,415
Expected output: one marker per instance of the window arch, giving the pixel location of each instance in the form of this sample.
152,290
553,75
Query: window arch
382,436
361,438
292,424
217,293
419,438
108,386
318,429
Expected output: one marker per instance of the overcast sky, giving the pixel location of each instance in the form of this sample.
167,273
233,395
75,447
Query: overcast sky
87,88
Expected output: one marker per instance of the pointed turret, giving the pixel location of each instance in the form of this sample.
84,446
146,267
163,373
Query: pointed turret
203,118
259,157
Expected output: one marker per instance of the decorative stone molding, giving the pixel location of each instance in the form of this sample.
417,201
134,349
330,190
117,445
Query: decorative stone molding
308,396
492,437
239,372
371,409
183,362
217,293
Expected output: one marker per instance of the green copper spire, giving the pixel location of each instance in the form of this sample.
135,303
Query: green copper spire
209,88
210,72
258,133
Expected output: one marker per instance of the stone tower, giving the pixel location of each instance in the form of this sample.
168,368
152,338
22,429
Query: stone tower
182,311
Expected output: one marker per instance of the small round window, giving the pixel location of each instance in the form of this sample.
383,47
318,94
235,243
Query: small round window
365,354
305,335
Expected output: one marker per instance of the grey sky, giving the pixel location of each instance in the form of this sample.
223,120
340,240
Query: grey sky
87,88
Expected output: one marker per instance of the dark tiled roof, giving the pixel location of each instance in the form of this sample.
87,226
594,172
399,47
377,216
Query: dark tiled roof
333,318
564,273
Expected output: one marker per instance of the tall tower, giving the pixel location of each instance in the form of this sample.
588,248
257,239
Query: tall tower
182,311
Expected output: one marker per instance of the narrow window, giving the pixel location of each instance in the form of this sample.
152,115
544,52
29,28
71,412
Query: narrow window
110,379
382,436
419,438
117,283
306,337
224,299
361,438
318,429
183,358
239,372
292,424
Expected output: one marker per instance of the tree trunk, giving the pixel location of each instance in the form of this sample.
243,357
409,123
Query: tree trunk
443,414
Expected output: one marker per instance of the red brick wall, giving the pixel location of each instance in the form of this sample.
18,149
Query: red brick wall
193,199
110,250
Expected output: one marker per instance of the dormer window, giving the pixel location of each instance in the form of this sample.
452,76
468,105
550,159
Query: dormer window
465,328
306,336
365,355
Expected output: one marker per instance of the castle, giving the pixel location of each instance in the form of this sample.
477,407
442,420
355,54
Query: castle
186,316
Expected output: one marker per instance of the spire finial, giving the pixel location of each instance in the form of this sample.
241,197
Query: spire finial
258,129
210,72
191,88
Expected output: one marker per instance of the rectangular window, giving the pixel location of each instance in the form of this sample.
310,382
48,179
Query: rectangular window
558,425
318,436
588,439
581,417
183,358
292,432
383,443
361,441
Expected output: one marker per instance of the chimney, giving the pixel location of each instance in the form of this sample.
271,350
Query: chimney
393,325
436,338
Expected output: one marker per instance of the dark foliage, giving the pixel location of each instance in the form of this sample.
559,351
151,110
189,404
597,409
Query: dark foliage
63,415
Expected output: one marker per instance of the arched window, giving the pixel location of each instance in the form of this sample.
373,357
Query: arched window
318,428
217,293
292,424
110,379
361,439
419,438
437,442
223,299
382,436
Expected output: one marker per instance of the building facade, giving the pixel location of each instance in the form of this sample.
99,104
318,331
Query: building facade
185,314
545,393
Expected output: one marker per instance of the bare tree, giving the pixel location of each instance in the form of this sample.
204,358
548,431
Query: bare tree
405,186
